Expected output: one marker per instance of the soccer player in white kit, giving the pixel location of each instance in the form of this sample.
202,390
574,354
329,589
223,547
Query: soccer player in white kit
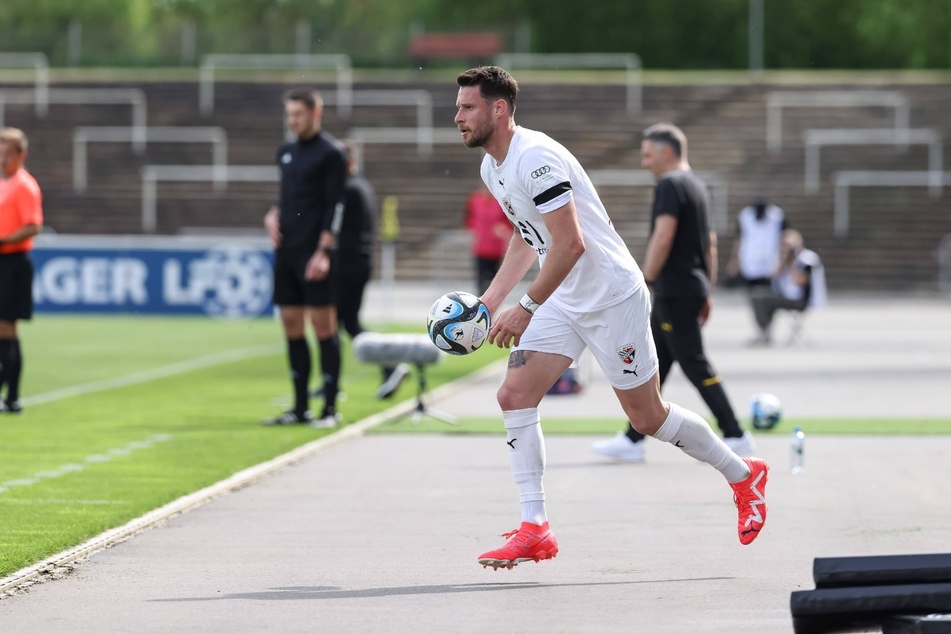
589,293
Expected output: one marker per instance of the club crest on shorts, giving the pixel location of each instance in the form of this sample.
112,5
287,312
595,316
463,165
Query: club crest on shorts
626,353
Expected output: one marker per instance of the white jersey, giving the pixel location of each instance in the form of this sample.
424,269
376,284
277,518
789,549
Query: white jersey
758,256
539,175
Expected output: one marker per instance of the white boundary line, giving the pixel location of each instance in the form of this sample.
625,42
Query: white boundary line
80,465
181,367
237,481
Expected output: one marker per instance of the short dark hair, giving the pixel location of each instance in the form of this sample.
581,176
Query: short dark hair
307,96
670,135
493,82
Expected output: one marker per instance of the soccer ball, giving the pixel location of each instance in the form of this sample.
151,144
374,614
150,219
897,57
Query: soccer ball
458,323
765,411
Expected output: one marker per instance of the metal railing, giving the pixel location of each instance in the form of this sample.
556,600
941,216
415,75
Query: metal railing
631,62
424,139
340,63
944,264
84,135
153,174
421,99
41,87
134,97
719,188
845,180
777,100
814,140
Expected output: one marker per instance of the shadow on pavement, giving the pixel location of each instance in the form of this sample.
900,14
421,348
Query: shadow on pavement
303,593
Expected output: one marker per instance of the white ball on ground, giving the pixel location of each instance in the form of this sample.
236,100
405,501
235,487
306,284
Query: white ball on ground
765,411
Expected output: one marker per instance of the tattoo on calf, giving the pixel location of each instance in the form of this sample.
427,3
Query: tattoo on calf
519,358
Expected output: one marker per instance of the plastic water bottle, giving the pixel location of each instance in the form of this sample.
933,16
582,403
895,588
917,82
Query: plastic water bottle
796,450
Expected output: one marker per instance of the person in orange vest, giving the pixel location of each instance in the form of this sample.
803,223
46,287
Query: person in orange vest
21,218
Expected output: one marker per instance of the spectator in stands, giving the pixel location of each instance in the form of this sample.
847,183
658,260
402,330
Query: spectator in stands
21,218
756,249
303,228
681,270
491,232
355,261
798,283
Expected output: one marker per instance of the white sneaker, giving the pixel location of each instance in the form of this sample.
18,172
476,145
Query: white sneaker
621,448
327,421
742,446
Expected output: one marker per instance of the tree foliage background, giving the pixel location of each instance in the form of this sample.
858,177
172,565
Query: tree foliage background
667,34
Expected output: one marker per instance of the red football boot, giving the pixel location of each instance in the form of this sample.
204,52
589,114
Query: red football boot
530,542
750,498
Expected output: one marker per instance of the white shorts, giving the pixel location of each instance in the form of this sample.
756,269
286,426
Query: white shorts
618,336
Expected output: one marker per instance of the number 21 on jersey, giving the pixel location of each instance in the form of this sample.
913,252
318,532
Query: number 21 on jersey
529,232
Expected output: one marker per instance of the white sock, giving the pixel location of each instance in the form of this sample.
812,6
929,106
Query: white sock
689,432
527,460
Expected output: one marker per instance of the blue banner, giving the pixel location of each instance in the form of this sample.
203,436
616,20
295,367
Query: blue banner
220,278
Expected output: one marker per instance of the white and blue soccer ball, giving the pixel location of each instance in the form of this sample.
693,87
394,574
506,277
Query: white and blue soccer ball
458,323
765,411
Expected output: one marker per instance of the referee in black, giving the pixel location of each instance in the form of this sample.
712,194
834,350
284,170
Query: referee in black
681,269
303,228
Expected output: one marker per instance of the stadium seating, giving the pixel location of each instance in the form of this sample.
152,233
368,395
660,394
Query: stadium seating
892,241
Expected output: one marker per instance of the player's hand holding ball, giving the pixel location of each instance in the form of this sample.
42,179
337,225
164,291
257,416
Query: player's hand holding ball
458,323
509,326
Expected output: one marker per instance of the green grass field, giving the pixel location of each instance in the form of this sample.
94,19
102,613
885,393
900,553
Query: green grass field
124,414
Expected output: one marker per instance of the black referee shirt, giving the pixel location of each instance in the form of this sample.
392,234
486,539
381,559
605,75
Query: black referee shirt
313,173
684,195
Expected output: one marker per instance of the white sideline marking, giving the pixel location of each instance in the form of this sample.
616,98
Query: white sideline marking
237,481
73,467
188,365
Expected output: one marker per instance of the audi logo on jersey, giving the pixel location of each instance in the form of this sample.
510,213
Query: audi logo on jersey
541,171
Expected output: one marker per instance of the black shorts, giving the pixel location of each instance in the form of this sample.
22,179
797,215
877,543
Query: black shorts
290,287
16,286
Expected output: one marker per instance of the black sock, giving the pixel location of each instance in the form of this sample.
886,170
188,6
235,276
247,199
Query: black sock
6,362
12,374
299,356
330,368
633,434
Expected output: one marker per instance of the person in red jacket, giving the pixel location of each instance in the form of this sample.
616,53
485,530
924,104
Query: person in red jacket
491,232
21,218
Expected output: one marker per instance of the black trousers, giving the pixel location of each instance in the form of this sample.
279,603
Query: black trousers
354,273
675,326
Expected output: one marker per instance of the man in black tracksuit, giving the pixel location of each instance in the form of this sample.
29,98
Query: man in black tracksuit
680,267
355,246
303,228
